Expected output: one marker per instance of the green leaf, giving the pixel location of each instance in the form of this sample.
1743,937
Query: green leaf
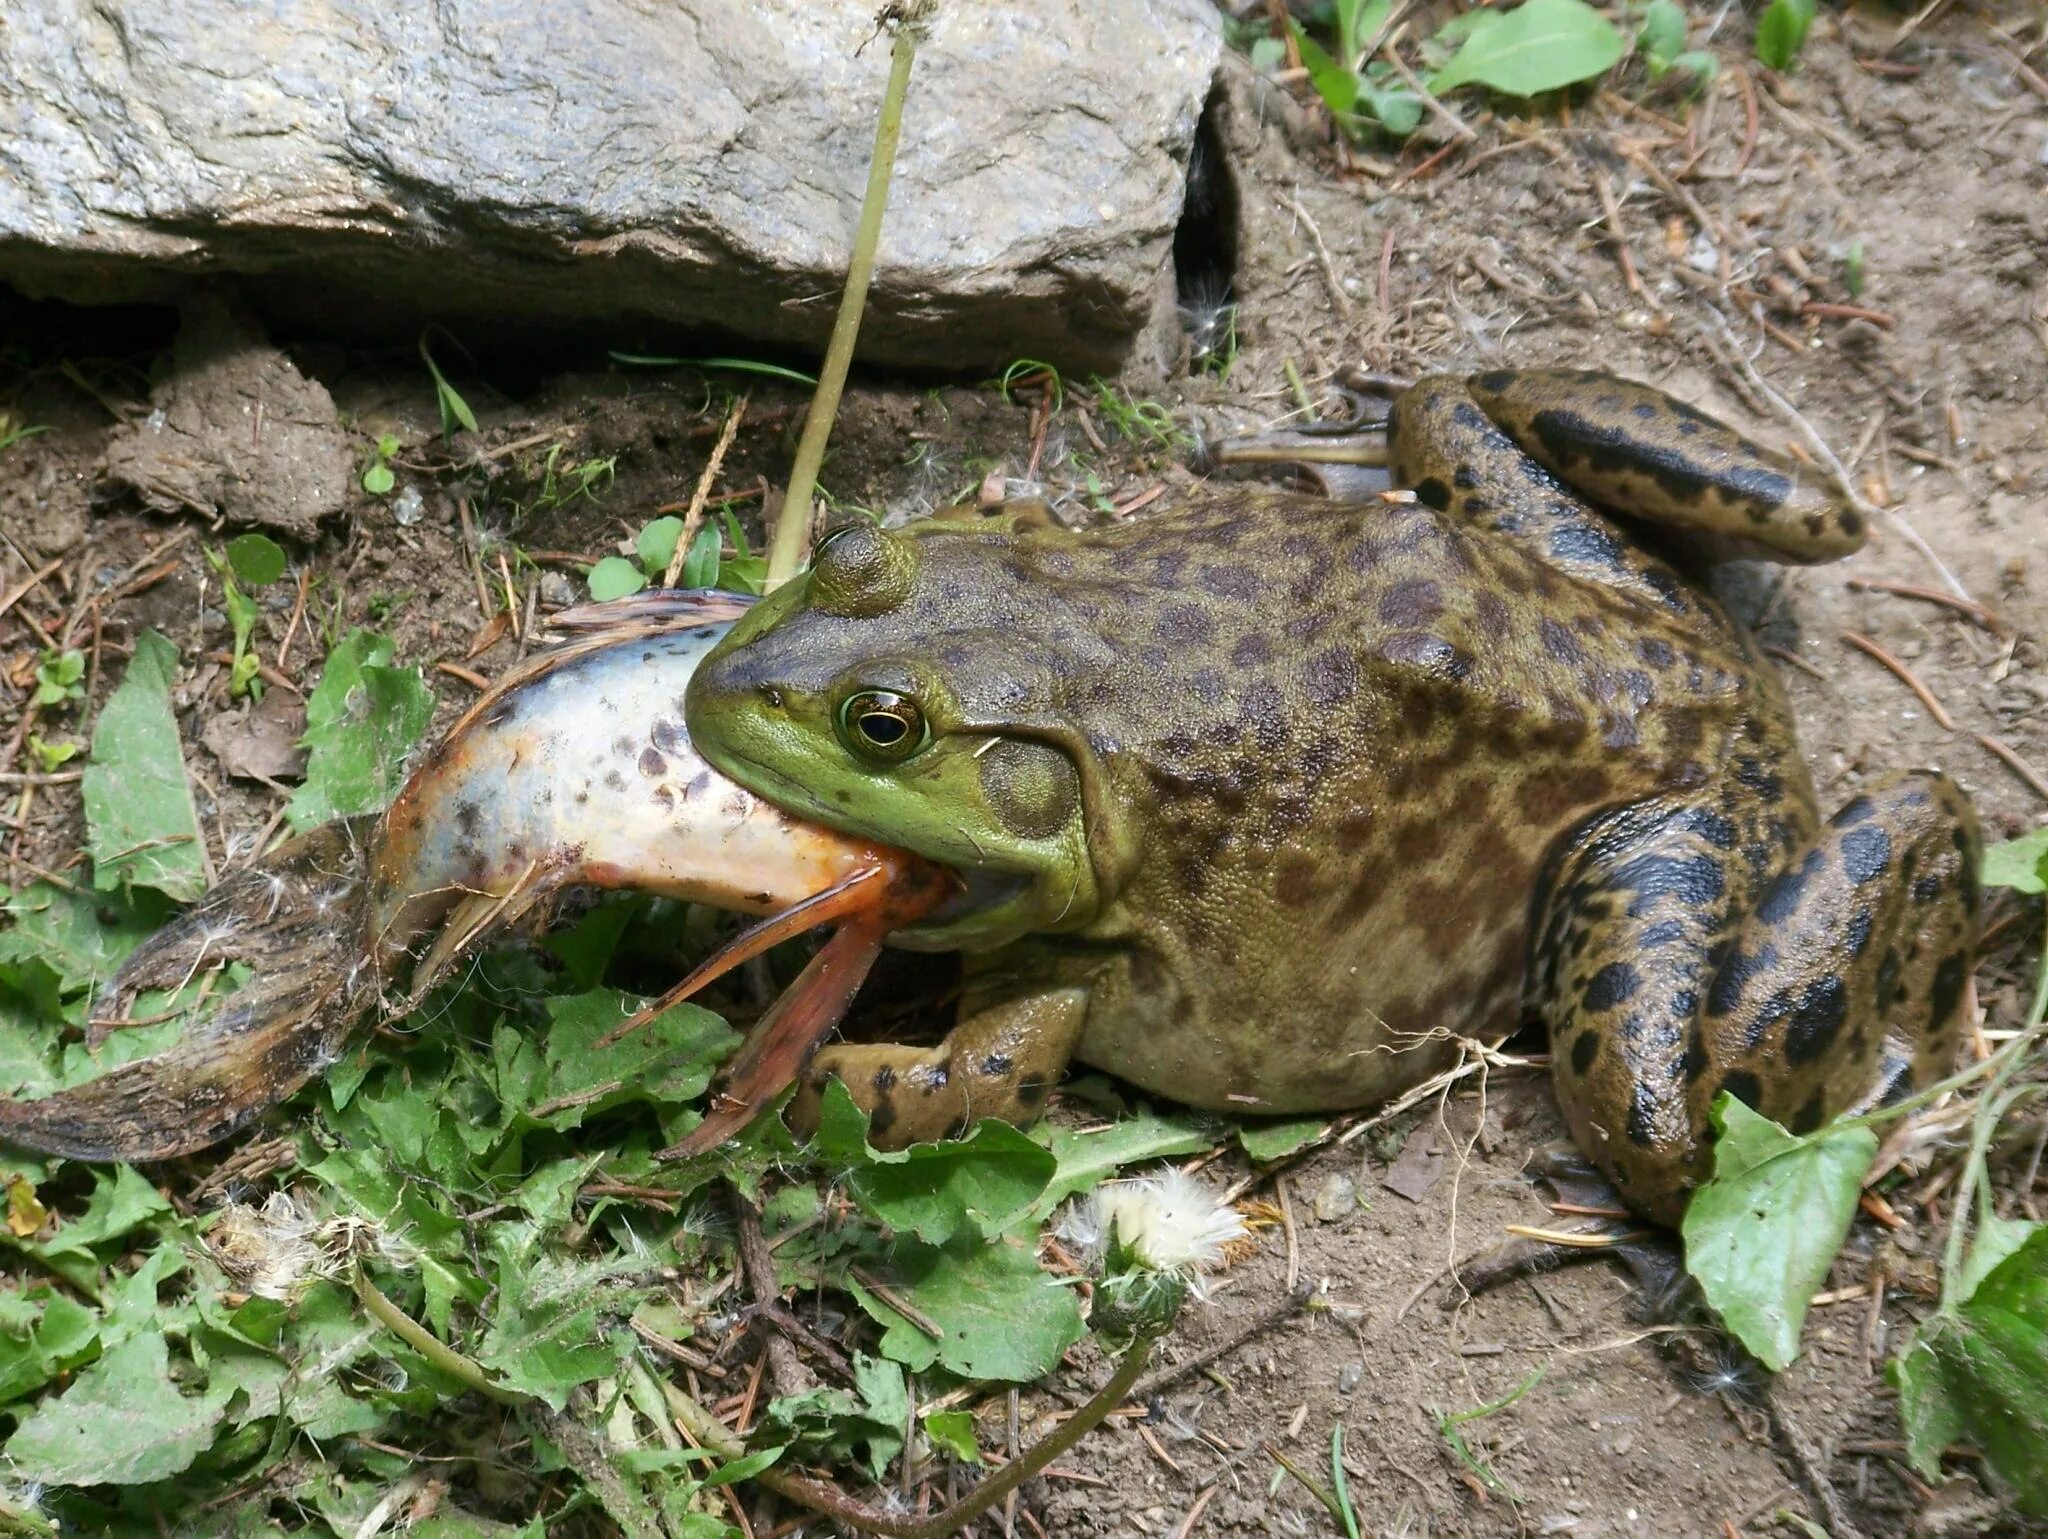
953,1431
122,1422
361,721
1085,1160
1358,21
657,545
139,821
998,1315
614,577
1760,1235
1543,46
258,560
378,480
44,1334
1978,1374
1265,1141
121,1202
977,1186
455,411
1996,1238
700,566
668,1062
832,1424
1337,85
1782,32
1662,38
2021,864
552,1318
82,940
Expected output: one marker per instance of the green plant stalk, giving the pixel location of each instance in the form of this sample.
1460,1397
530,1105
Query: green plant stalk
823,1496
793,522
424,1342
1991,1110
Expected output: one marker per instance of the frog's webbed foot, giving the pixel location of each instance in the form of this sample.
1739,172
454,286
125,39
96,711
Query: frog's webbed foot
1652,1255
1344,457
1001,1061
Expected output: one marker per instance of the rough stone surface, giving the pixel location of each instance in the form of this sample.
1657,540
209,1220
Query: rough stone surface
236,430
611,164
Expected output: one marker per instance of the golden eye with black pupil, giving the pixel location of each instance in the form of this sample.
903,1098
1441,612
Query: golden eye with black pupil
882,725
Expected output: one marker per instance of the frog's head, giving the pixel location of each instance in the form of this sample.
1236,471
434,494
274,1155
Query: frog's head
903,689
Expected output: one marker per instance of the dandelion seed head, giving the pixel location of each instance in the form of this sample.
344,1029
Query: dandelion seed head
1168,1223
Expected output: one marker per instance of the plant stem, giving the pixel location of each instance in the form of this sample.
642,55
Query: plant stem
793,522
823,1496
424,1342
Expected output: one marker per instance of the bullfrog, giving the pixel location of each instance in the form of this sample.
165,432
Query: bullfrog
1263,800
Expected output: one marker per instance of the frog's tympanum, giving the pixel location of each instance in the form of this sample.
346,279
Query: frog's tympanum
1264,799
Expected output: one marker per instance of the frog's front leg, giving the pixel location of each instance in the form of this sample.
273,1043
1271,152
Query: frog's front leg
1634,449
1002,1060
1841,981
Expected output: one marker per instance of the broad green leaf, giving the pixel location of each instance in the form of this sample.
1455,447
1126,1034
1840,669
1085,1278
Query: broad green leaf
998,1315
975,1186
139,821
121,1203
1358,21
1761,1235
1782,32
700,566
1337,85
668,1062
81,939
45,1334
1996,1238
953,1431
1542,46
552,1320
836,1425
1265,1141
1977,1375
979,1185
258,560
614,577
657,545
361,721
1086,1160
2021,864
122,1422
1663,34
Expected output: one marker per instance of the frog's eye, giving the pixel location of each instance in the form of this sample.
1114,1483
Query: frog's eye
880,724
830,538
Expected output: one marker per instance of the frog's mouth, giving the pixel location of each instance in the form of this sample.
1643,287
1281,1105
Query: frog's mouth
981,891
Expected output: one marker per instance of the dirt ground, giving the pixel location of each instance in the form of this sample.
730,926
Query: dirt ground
1713,256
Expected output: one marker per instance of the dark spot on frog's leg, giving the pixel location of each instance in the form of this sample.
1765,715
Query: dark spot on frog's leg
1849,521
1855,810
996,1065
1724,995
1866,852
1433,493
1744,1086
468,817
1781,899
1615,984
884,1080
1584,1051
881,1117
1811,1115
1816,1019
1949,979
1926,887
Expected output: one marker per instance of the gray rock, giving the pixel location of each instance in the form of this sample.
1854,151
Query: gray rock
611,163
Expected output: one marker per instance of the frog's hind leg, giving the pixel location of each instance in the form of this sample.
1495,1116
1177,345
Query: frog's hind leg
1846,984
1639,451
1001,1061
1840,983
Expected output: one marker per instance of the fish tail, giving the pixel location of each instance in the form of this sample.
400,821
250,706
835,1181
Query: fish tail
299,920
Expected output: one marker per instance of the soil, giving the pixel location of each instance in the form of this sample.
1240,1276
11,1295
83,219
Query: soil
1715,253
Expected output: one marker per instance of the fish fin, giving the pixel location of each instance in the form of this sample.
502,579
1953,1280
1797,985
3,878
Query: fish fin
783,1041
662,606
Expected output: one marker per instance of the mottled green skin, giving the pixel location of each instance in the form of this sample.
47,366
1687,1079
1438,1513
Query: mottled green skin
1288,794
